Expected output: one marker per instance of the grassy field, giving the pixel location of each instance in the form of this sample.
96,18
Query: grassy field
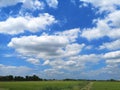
106,85
60,85
43,85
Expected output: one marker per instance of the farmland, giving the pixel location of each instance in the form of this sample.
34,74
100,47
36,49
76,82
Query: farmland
60,85
43,85
105,85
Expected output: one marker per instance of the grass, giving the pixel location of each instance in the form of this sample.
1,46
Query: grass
106,85
59,85
43,85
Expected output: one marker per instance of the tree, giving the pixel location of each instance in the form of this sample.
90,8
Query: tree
19,78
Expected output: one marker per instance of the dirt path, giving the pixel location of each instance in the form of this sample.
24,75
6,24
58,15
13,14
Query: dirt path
88,86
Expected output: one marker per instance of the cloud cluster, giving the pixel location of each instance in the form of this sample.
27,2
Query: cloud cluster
104,5
52,3
48,46
109,26
14,70
114,45
5,3
29,4
21,24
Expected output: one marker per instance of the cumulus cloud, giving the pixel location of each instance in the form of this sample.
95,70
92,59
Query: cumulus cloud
14,70
52,3
114,45
101,30
33,61
73,63
27,4
80,63
38,46
112,55
111,62
104,5
21,24
47,47
109,26
104,73
4,3
71,34
33,4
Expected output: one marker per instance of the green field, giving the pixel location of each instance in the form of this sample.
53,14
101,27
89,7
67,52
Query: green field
106,85
60,85
43,85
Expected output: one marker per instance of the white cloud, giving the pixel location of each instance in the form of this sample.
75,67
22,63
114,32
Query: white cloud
21,24
114,45
83,5
113,61
73,63
59,45
14,70
68,65
27,4
109,26
33,4
38,46
112,55
52,3
52,74
93,33
4,3
107,72
89,47
73,49
71,34
104,5
33,61
46,62
114,19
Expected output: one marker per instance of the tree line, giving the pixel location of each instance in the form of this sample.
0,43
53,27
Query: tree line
20,78
36,78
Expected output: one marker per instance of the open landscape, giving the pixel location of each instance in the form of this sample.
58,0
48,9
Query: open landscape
59,44
60,85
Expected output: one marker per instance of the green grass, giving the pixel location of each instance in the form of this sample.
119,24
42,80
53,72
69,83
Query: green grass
106,85
43,85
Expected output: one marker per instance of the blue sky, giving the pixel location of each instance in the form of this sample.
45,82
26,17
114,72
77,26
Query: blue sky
60,38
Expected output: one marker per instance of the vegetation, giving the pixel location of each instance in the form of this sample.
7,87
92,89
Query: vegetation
106,85
43,85
20,78
35,83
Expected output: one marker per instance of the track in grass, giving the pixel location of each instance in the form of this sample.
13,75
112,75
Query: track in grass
88,86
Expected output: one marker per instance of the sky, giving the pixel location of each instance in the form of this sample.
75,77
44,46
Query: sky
58,39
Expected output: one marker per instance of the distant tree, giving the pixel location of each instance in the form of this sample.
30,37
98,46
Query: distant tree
67,79
19,78
10,78
6,78
35,78
112,80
